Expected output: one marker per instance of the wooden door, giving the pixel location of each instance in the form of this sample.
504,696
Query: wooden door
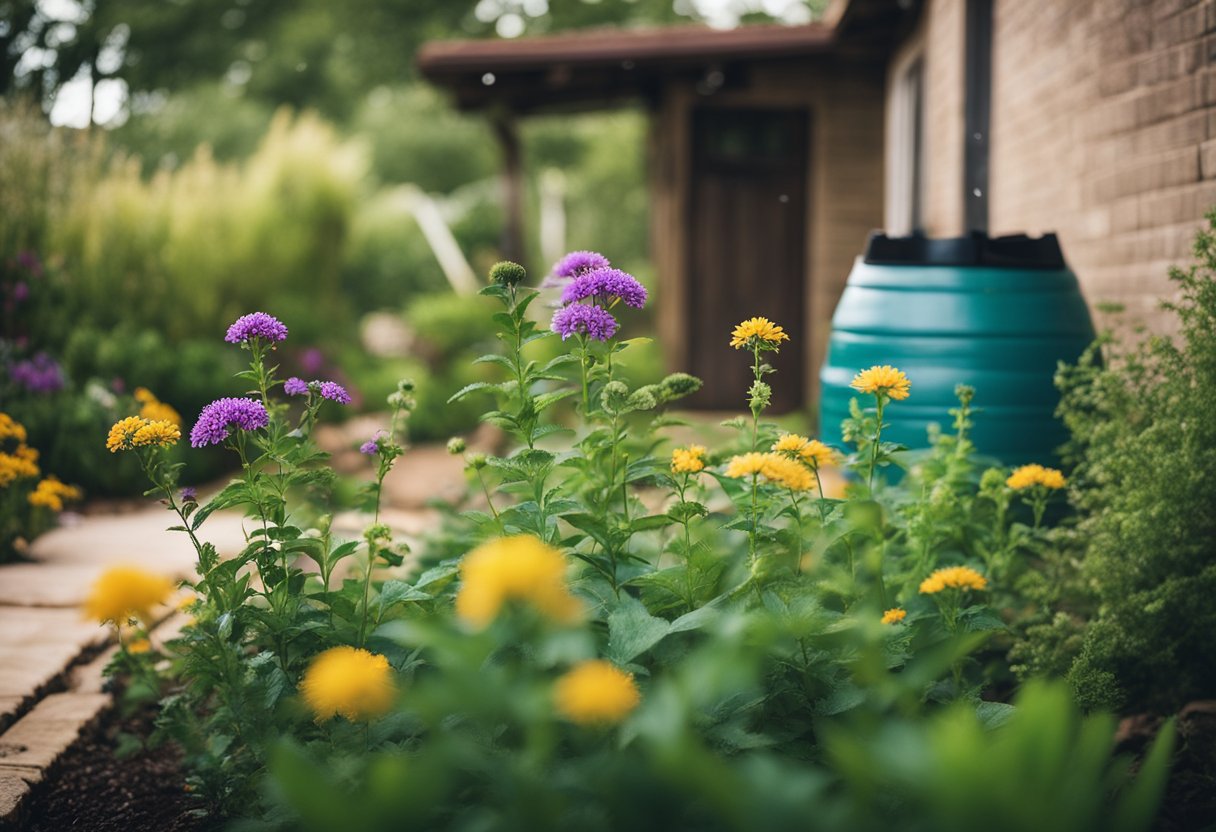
747,242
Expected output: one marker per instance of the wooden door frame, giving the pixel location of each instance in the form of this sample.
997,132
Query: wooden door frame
671,175
803,290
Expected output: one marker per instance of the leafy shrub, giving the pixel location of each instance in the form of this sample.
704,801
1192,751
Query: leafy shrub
1143,423
627,635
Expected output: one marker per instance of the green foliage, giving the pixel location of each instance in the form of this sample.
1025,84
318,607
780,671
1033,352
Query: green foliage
1143,423
741,607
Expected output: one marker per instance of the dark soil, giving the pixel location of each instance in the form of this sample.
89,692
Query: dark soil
91,789
1189,802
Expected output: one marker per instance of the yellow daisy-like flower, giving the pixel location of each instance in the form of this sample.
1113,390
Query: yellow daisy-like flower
882,381
51,493
140,645
894,616
10,428
154,410
688,460
757,330
1031,475
519,568
811,451
953,577
126,592
19,465
596,693
745,465
349,681
122,434
787,473
774,467
163,433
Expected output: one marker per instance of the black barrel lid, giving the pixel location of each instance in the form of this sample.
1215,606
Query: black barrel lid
1015,251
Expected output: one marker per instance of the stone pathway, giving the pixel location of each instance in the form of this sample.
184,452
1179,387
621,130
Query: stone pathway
51,658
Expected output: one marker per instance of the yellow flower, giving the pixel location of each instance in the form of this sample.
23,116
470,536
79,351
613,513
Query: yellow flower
688,460
154,410
783,471
126,592
10,428
348,681
745,465
754,331
140,645
774,467
894,616
811,451
519,568
1031,475
20,464
880,381
596,693
51,493
122,434
953,577
163,433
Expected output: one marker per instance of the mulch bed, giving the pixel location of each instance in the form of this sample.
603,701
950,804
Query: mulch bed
91,789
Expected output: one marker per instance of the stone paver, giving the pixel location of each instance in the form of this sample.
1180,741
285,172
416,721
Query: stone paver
13,789
39,737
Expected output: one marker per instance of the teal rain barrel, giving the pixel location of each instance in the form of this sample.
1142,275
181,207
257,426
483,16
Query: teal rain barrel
995,313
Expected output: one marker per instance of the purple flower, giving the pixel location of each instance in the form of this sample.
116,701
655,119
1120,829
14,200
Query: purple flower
594,321
605,286
312,360
578,262
21,291
217,418
40,374
256,325
334,392
371,447
190,494
29,261
295,386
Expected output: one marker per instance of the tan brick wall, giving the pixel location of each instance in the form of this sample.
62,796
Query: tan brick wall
1103,130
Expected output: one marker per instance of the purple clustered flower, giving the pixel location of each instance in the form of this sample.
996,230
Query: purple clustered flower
256,325
190,494
328,389
214,423
371,447
40,374
579,262
577,318
606,286
334,392
21,291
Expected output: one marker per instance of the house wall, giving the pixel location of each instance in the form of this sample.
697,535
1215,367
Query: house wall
845,102
1103,130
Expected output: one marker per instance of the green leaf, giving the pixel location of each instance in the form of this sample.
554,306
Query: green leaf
994,714
397,592
632,630
547,400
469,388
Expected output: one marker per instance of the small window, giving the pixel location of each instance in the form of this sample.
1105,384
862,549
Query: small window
905,203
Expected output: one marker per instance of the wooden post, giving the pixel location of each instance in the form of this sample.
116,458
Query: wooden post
513,187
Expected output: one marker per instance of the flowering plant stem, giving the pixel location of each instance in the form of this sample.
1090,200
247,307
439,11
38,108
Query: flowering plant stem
880,400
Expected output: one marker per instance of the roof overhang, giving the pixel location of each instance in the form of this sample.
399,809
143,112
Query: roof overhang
600,67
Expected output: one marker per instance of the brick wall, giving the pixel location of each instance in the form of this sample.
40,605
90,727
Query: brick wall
1103,130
